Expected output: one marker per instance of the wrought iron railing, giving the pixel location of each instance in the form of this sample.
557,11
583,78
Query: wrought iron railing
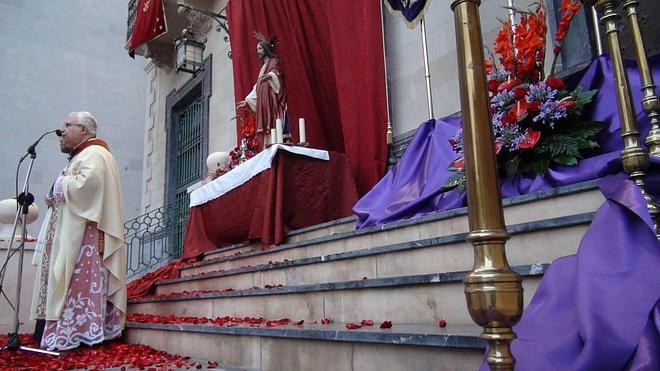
155,238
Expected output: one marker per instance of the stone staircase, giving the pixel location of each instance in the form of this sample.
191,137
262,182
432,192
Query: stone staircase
409,273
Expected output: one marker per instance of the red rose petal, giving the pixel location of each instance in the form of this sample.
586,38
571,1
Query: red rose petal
367,322
353,326
442,323
386,324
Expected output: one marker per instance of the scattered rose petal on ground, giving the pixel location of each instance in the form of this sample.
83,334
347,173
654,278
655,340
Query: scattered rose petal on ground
367,322
109,354
442,322
386,324
353,326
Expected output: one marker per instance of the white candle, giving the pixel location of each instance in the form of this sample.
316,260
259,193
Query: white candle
301,129
273,136
278,130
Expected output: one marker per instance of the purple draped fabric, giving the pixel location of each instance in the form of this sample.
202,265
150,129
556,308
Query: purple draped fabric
412,187
599,309
596,310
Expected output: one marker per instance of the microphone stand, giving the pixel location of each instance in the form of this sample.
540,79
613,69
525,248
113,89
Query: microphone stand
25,199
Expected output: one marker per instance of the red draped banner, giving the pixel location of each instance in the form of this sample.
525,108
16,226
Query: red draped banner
332,51
149,23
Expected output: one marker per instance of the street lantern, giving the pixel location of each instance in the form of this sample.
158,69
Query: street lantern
190,51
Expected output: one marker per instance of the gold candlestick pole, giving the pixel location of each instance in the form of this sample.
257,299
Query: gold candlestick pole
634,157
492,290
650,102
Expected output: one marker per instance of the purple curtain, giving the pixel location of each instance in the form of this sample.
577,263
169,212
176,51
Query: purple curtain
412,187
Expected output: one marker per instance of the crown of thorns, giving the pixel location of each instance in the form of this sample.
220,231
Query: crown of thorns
272,41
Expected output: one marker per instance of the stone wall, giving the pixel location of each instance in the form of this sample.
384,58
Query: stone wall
405,76
63,56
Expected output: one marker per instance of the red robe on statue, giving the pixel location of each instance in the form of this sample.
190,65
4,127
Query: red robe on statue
268,97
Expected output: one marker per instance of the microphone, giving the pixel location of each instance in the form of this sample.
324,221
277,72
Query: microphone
31,148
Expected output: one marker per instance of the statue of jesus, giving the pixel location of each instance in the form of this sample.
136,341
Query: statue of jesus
268,96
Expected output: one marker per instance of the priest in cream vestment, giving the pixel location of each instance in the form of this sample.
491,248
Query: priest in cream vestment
80,288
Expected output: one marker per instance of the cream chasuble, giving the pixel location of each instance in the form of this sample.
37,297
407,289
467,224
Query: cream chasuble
92,192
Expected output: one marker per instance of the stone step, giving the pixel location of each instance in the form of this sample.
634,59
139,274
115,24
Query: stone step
320,347
324,229
564,201
229,250
443,254
418,299
282,264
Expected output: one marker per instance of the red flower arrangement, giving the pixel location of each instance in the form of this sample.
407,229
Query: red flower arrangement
250,145
536,121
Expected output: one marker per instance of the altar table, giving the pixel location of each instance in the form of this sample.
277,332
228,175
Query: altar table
295,192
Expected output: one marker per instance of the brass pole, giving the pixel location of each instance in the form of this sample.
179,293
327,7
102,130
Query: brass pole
493,292
634,157
650,102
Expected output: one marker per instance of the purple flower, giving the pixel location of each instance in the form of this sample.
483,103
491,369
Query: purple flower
499,75
540,93
502,99
509,135
550,112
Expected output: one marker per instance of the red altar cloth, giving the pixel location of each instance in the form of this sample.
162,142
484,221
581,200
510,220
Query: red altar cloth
296,192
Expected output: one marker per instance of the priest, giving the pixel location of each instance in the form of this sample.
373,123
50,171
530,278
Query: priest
80,288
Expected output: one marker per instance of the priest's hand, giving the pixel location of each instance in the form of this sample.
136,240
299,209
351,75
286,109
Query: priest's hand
49,202
241,104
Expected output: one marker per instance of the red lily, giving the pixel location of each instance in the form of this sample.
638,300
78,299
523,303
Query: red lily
531,139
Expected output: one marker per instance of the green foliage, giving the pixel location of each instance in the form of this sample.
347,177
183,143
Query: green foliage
562,148
457,180
582,98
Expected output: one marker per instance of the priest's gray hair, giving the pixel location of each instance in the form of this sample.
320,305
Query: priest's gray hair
87,120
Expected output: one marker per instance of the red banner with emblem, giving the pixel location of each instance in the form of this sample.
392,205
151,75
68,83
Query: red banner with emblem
149,23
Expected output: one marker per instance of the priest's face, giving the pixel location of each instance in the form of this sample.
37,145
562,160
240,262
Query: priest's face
72,134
